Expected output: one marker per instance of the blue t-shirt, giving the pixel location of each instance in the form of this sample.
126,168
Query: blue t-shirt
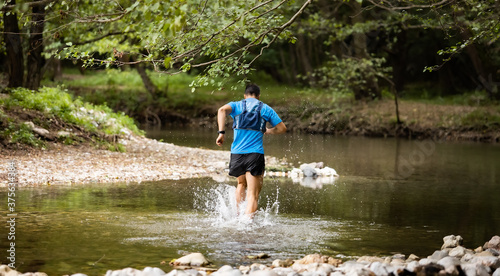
250,141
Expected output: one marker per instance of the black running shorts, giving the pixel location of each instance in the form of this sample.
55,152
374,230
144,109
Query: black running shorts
249,162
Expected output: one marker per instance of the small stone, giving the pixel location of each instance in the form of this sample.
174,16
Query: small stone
317,258
63,133
397,262
255,267
282,263
496,273
452,241
412,258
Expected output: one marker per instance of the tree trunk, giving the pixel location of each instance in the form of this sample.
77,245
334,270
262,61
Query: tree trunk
35,59
148,83
13,46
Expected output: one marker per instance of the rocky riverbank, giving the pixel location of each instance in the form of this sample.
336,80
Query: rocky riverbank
451,259
144,160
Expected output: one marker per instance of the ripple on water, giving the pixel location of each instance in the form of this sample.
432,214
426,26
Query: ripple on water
215,228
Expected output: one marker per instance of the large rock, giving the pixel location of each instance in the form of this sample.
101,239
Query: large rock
379,269
189,272
450,264
452,241
494,243
5,270
438,255
262,273
475,270
355,268
193,259
227,271
489,261
458,252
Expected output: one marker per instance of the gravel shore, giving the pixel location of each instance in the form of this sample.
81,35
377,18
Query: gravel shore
144,160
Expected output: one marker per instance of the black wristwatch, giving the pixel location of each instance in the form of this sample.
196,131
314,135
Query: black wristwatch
221,132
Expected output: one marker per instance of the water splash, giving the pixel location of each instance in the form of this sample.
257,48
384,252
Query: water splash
219,203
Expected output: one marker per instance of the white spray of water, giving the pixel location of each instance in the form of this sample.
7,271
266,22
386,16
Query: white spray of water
220,203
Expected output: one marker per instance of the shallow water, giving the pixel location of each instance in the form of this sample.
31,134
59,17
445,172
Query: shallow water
392,197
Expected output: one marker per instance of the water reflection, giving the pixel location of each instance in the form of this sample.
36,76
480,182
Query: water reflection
371,209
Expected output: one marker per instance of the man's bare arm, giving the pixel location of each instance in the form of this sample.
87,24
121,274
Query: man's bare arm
278,129
221,121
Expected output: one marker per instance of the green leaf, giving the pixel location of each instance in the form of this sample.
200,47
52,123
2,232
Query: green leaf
166,62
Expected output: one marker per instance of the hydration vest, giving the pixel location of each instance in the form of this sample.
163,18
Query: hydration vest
250,120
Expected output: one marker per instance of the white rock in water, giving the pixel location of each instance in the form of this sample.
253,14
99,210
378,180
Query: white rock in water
327,171
193,259
452,241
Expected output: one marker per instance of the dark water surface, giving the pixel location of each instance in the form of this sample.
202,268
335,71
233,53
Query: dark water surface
392,196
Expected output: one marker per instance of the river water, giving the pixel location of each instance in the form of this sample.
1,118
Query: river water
392,196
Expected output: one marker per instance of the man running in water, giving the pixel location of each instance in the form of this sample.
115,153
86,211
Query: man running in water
247,162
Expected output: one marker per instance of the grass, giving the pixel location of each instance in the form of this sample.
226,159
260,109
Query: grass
57,104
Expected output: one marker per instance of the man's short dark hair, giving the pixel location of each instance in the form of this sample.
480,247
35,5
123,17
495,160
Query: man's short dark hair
252,89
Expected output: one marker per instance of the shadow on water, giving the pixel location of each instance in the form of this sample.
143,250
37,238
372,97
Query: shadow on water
392,197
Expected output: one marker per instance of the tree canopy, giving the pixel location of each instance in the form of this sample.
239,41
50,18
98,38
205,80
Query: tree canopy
343,45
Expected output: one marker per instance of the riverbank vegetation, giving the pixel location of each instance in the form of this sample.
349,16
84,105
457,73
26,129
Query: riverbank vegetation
34,118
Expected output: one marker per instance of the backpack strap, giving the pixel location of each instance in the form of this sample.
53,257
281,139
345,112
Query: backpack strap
244,105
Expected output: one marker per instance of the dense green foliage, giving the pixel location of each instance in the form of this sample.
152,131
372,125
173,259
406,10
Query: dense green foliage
57,108
355,46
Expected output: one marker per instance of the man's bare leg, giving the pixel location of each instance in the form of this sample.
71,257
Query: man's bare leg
240,190
254,185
